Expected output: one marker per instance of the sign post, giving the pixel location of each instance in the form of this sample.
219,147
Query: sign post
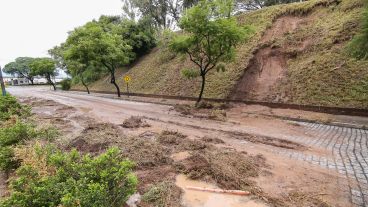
127,80
2,82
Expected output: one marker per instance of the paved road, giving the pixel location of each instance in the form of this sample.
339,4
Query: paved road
346,148
349,150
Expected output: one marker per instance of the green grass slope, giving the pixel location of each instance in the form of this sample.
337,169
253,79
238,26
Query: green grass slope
323,74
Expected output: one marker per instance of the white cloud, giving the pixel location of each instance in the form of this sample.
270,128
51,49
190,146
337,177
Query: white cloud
31,27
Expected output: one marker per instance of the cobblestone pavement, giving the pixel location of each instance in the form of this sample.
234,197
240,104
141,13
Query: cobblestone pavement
346,152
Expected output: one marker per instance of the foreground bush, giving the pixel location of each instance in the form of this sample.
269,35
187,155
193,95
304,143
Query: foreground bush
71,179
10,136
9,106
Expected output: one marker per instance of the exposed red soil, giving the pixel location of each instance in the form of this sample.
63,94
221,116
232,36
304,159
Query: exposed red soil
269,64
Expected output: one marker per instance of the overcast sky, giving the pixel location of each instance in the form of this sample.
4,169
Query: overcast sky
31,27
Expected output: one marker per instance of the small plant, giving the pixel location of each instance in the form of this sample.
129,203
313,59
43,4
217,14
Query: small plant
66,84
75,180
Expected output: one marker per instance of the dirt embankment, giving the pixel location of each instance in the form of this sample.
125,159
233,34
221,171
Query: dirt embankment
269,64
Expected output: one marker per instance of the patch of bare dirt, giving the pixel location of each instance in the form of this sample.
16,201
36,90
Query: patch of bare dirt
3,185
269,64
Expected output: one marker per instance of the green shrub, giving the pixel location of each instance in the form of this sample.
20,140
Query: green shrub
74,180
66,84
7,160
358,47
16,133
9,106
9,137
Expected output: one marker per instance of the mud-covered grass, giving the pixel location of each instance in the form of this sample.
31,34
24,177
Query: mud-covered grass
163,194
135,122
204,110
230,170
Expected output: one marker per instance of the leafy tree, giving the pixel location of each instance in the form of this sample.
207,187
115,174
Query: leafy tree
358,47
139,35
163,14
57,54
20,68
100,46
44,67
209,36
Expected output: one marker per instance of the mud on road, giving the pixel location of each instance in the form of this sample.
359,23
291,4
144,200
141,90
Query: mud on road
246,152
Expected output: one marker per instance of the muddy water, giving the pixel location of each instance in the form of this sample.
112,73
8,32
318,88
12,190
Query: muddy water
192,198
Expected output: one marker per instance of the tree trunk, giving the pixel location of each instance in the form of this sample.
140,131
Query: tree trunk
202,89
85,85
50,82
114,82
31,79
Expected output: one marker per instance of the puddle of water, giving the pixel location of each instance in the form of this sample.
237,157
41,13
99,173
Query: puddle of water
180,156
192,198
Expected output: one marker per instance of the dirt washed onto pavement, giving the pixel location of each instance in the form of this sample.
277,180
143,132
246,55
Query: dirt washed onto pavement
163,150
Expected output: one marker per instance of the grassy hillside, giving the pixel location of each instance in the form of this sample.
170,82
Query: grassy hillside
321,73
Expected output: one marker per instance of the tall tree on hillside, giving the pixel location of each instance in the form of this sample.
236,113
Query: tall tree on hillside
44,67
209,36
20,67
164,14
139,35
358,47
91,44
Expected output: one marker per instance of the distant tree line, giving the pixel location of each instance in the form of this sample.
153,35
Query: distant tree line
26,67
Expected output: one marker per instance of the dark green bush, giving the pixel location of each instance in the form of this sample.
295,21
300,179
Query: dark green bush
9,137
66,84
7,160
16,133
9,106
358,47
75,180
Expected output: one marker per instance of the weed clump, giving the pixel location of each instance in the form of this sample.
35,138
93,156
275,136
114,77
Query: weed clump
171,138
230,170
164,194
145,153
213,140
135,122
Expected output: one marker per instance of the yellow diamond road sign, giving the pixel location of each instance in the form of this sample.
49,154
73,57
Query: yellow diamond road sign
127,78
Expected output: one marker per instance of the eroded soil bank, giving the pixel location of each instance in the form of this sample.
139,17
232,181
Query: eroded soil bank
269,64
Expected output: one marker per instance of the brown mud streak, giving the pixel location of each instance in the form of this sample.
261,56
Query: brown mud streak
282,143
269,64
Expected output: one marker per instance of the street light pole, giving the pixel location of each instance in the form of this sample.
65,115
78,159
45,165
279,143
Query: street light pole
2,82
